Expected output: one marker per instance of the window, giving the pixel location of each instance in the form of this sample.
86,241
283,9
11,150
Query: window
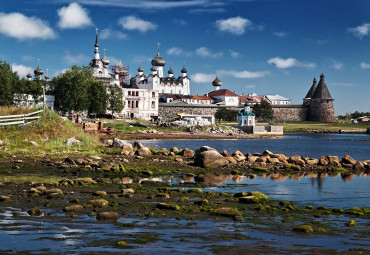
153,104
153,94
137,104
137,93
129,93
245,121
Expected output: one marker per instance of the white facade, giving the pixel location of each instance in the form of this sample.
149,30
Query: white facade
246,117
139,103
278,100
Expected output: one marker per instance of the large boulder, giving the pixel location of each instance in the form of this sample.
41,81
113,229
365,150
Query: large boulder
138,145
251,158
312,161
2,143
145,151
206,156
238,156
187,153
174,150
347,159
107,216
323,161
231,159
333,160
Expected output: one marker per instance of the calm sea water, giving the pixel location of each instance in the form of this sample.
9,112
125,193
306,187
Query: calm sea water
307,145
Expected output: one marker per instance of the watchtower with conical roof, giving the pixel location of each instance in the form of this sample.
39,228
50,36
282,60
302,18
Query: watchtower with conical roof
320,102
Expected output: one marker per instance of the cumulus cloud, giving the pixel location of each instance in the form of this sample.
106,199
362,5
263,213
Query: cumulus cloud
207,53
73,16
360,31
108,33
175,51
236,25
21,27
22,70
251,86
244,74
337,65
134,23
288,63
234,53
203,77
280,34
365,65
74,59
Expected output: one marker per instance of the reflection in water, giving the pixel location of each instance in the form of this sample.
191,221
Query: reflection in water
347,176
278,177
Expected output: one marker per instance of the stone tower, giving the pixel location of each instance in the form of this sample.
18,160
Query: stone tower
321,104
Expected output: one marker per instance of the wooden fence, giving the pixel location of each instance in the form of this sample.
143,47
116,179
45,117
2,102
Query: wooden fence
18,119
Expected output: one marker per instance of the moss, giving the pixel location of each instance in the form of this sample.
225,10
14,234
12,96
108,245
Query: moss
196,191
236,172
337,210
254,197
339,170
241,194
228,212
190,175
355,211
121,244
366,210
147,172
309,207
307,229
351,223
184,200
168,206
203,202
98,202
261,169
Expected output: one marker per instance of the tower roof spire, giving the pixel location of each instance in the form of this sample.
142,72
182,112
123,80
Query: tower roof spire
96,38
312,89
321,91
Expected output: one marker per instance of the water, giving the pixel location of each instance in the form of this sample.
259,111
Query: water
307,145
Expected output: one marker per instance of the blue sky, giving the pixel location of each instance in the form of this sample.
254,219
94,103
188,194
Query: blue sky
256,46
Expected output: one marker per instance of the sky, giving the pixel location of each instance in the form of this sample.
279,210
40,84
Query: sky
255,46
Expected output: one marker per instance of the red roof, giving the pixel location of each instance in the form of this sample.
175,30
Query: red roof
222,92
253,99
198,97
173,96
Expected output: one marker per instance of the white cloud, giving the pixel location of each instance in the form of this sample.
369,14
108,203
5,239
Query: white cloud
74,59
134,23
288,63
22,70
175,51
203,77
235,25
207,53
244,74
18,26
108,33
337,65
365,65
73,16
344,84
360,31
234,54
28,58
280,34
211,10
56,73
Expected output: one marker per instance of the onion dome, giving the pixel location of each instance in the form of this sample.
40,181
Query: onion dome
140,69
47,77
153,69
170,71
38,71
29,75
217,82
183,70
105,61
116,71
247,104
158,60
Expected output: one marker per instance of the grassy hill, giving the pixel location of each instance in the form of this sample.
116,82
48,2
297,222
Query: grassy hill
50,132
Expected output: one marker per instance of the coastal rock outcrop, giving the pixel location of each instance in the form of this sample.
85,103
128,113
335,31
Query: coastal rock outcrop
206,156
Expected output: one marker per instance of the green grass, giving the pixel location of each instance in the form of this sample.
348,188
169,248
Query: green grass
50,132
26,179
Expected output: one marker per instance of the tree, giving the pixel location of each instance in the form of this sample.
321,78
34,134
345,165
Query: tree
115,100
224,114
263,111
98,98
73,90
8,79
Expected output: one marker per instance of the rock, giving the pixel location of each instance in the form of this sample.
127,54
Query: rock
51,191
280,157
118,143
5,199
2,143
163,196
168,206
312,161
95,157
127,149
261,159
128,191
224,153
34,143
165,152
323,161
121,244
73,208
174,150
273,160
138,145
99,193
179,160
251,158
98,202
241,194
187,153
72,141
231,160
254,197
208,157
35,212
267,152
348,160
295,159
145,151
203,202
307,229
228,212
238,156
333,160
107,216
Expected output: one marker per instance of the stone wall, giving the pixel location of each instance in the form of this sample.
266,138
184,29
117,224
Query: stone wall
169,112
290,112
